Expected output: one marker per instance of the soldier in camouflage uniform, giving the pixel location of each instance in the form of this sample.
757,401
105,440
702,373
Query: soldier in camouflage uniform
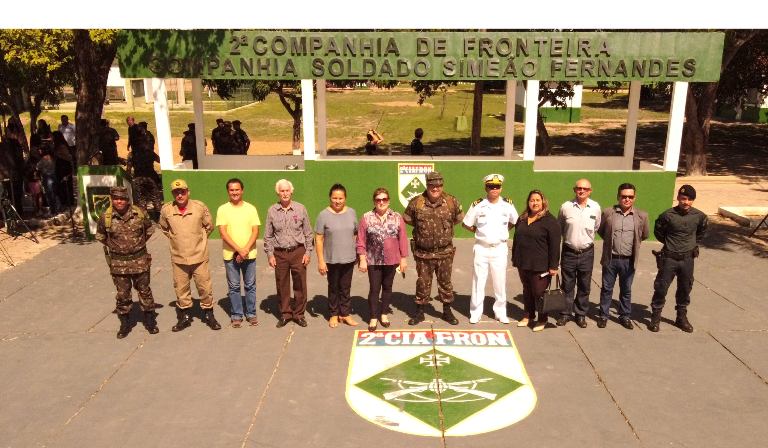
433,214
146,181
124,229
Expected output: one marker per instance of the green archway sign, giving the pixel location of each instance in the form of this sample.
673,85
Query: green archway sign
448,55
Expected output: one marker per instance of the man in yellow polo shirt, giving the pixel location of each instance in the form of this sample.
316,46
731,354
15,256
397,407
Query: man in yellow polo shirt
187,223
238,223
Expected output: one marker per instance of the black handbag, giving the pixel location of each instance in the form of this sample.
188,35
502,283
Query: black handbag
554,299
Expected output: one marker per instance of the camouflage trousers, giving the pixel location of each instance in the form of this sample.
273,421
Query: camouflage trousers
442,268
145,192
123,284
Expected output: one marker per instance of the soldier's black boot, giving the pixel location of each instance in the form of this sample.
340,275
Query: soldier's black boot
150,322
125,327
418,316
682,321
210,320
448,315
184,320
655,319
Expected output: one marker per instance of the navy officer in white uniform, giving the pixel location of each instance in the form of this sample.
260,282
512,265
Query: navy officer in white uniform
490,219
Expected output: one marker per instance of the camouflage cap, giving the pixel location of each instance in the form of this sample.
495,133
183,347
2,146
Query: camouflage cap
434,178
179,184
119,192
687,190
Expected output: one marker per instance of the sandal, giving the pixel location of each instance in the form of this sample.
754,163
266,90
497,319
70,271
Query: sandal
333,322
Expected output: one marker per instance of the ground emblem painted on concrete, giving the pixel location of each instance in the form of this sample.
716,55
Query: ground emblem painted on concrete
412,180
426,382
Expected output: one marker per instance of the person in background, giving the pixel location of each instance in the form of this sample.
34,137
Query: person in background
108,138
242,142
417,148
335,234
373,139
189,145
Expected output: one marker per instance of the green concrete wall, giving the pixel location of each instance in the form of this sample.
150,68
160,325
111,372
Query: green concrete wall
755,114
463,179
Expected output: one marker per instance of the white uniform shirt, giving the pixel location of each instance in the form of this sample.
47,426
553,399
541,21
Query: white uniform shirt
69,133
492,220
579,225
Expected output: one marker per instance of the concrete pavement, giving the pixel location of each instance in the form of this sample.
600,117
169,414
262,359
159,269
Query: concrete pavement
68,382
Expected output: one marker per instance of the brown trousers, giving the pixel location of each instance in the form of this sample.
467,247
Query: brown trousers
289,267
123,284
182,280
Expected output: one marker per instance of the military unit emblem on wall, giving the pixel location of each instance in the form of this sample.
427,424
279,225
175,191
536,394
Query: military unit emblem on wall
412,180
435,382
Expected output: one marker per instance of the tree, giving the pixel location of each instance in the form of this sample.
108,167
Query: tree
35,65
700,103
556,93
38,63
94,53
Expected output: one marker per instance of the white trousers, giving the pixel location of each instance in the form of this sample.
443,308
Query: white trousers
493,259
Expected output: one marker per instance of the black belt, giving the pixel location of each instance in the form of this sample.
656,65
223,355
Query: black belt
288,249
678,256
621,257
578,251
129,257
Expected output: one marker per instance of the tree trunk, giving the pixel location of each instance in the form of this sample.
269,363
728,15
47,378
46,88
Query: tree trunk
698,115
295,112
93,62
544,148
477,118
700,106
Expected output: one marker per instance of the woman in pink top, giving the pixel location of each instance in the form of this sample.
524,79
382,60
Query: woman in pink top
382,246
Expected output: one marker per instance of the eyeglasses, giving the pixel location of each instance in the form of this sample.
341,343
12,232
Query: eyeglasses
381,200
582,188
179,192
493,187
627,197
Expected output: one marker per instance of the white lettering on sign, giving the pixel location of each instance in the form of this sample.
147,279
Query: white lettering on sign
436,338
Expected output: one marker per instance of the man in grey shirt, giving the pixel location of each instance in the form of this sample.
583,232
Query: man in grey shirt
288,245
622,227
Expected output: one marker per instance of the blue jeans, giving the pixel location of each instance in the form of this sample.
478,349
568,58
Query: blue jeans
625,270
248,270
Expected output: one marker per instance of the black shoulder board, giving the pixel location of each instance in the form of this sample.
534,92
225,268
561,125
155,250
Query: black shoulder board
506,199
477,201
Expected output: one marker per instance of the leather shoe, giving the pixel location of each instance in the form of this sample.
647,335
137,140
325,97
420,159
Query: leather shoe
626,323
282,322
581,321
562,320
302,322
601,322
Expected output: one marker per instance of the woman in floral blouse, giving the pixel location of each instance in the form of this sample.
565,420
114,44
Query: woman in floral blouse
382,246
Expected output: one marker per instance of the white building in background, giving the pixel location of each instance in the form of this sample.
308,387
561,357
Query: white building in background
570,114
